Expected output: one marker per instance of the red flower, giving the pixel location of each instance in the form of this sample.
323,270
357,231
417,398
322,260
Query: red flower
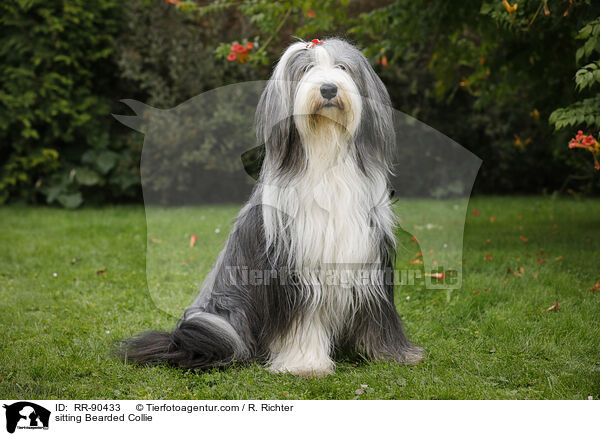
476,212
579,136
238,48
231,57
311,14
384,61
249,45
588,140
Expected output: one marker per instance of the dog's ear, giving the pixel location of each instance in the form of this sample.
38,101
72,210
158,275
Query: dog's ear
275,127
375,136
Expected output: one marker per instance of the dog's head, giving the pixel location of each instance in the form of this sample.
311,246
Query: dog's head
325,93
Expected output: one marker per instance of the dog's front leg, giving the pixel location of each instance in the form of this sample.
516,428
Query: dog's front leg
304,349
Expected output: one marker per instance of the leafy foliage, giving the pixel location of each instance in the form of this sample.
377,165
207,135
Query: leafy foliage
487,73
56,76
587,110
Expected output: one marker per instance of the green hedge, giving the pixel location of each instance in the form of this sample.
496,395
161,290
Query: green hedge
58,80
487,77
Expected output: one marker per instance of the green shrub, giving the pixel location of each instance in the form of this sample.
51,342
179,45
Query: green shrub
57,84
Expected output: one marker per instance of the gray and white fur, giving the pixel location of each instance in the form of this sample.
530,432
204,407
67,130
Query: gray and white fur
319,221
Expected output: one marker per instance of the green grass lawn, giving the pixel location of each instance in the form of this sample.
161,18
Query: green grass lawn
74,282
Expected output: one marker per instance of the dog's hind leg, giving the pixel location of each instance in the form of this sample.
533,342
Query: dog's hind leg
377,333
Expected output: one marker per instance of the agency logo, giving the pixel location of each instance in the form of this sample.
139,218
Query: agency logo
26,415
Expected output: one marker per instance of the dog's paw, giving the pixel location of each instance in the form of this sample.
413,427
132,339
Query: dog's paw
302,371
412,355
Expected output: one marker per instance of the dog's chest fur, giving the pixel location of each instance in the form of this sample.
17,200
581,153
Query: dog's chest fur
331,226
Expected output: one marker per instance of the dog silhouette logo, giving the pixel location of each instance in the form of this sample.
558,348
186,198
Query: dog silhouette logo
26,415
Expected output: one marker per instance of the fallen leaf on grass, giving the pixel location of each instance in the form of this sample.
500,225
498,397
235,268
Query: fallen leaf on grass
540,261
523,238
101,272
488,240
535,274
415,262
518,273
558,259
193,240
553,307
415,240
475,291
596,287
487,256
439,276
156,241
492,219
476,212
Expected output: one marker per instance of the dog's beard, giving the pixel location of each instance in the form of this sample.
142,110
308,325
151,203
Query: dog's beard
325,126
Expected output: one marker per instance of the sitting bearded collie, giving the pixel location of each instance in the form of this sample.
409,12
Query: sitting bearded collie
307,271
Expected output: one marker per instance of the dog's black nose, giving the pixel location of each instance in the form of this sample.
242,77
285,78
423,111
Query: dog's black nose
328,90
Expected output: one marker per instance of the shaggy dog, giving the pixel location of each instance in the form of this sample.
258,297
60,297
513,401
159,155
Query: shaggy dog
307,270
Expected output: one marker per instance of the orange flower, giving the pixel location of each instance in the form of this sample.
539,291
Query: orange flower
249,45
510,9
311,14
587,142
384,61
476,212
523,238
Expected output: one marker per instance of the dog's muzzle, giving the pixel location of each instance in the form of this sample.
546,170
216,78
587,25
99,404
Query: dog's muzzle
329,90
